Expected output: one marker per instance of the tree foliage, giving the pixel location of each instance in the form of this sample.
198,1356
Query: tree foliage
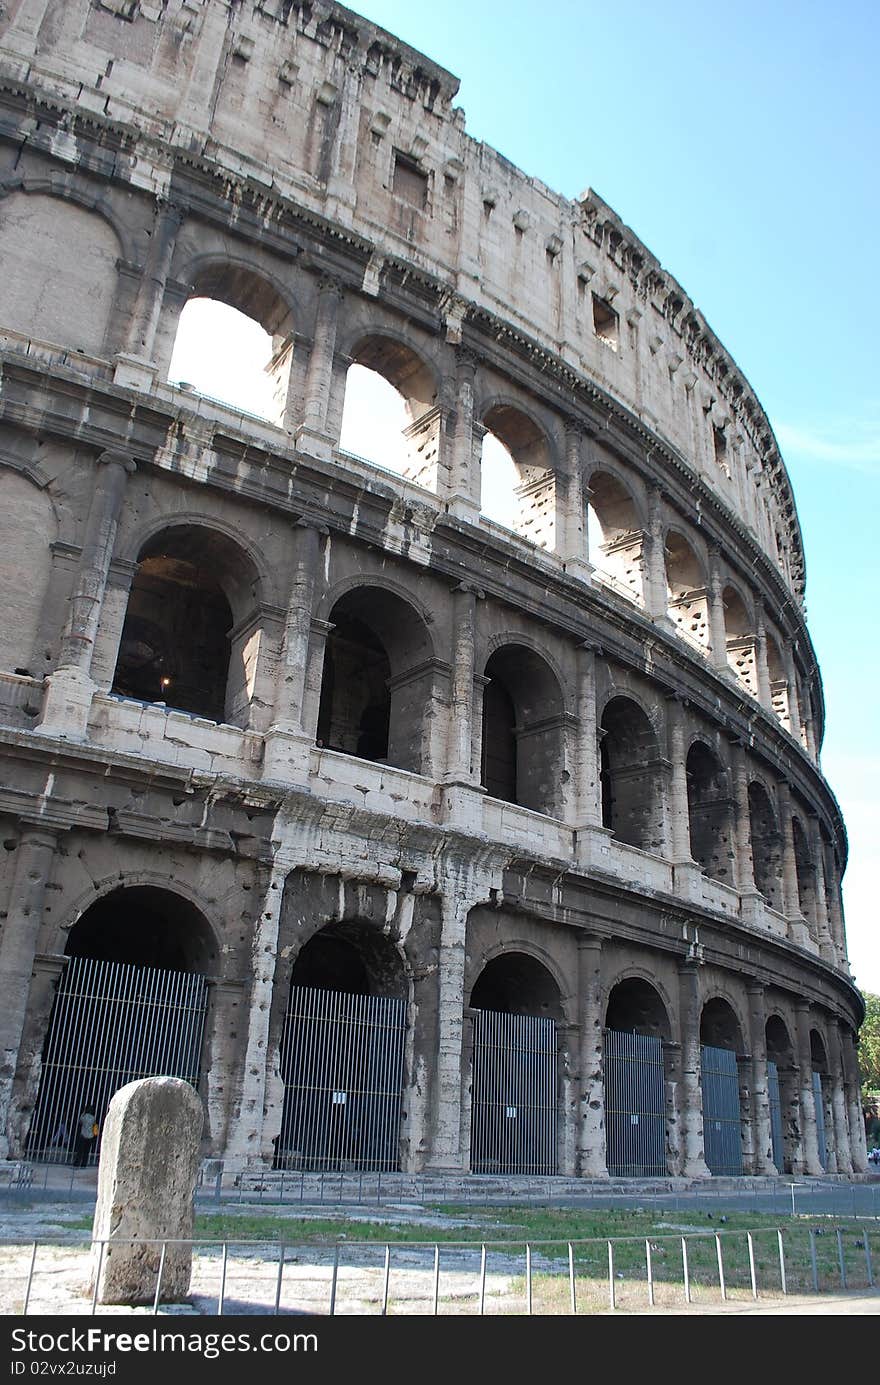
869,1045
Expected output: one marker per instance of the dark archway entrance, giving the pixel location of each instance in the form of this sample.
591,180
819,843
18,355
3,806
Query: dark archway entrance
635,1081
515,1075
720,1042
130,1003
342,1053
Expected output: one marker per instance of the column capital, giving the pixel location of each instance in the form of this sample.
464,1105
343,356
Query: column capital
113,456
306,521
469,589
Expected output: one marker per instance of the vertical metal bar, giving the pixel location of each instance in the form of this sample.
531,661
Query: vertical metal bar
30,1278
482,1280
781,1262
387,1279
222,1294
685,1270
571,1279
436,1280
813,1265
611,1275
280,1276
720,1267
650,1272
333,1279
159,1278
97,1277
752,1264
840,1258
869,1268
529,1280
792,1200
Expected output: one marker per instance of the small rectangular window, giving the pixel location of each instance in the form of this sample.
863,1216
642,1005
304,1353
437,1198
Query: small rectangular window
719,441
605,323
410,182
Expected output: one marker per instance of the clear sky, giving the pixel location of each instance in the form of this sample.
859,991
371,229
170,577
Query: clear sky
742,145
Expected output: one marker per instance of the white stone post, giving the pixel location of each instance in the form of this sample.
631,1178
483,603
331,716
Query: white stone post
809,1133
837,1078
459,756
717,626
287,741
591,1134
690,1097
463,474
312,436
762,1137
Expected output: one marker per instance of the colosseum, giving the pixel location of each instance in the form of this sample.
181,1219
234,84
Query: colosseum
423,824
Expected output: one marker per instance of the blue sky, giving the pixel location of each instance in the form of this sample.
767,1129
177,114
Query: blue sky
742,144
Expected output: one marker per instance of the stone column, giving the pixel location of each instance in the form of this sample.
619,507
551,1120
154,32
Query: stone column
464,482
679,816
717,627
794,709
744,863
858,1144
797,928
761,1131
591,1127
449,1141
587,793
69,697
834,906
837,1078
459,755
312,436
809,1134
571,508
224,1022
135,366
762,668
691,1099
18,945
825,944
656,590
287,742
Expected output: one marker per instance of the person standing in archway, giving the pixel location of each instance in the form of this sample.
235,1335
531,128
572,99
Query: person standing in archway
86,1134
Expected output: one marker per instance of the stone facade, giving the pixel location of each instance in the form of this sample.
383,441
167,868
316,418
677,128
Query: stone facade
573,763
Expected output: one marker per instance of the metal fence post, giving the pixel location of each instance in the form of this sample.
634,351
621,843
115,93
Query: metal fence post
159,1278
571,1279
781,1262
436,1280
813,1263
611,1275
752,1264
30,1278
333,1279
482,1279
840,1258
868,1266
280,1275
650,1272
97,1277
529,1280
221,1296
720,1267
387,1279
684,1266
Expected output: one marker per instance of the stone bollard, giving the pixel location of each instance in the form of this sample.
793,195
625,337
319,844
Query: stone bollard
146,1180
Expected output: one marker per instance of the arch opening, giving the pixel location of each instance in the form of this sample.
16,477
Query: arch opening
192,632
517,480
687,604
615,541
725,1094
130,1003
342,1053
630,776
515,1073
805,870
783,1095
766,843
740,640
522,747
234,342
378,681
390,415
709,813
636,1024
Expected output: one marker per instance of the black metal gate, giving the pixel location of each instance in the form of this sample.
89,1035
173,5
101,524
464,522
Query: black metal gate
775,1116
111,1023
722,1118
635,1105
514,1094
819,1103
342,1066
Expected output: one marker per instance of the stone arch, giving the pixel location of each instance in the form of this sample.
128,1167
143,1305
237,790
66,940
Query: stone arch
724,1087
709,812
636,1026
739,637
353,957
805,869
525,498
721,1026
193,905
379,679
615,533
60,269
636,1005
766,842
780,694
193,627
523,725
687,599
518,979
28,529
780,1053
246,359
629,755
390,414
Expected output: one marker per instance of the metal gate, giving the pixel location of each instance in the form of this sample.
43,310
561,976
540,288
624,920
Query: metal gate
111,1023
722,1119
819,1104
514,1094
775,1116
635,1105
342,1068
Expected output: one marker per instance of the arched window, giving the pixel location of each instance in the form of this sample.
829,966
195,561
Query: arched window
614,536
636,1025
725,1098
630,768
522,731
234,342
779,691
709,813
806,872
192,631
783,1093
518,485
766,843
390,415
686,587
740,640
377,681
